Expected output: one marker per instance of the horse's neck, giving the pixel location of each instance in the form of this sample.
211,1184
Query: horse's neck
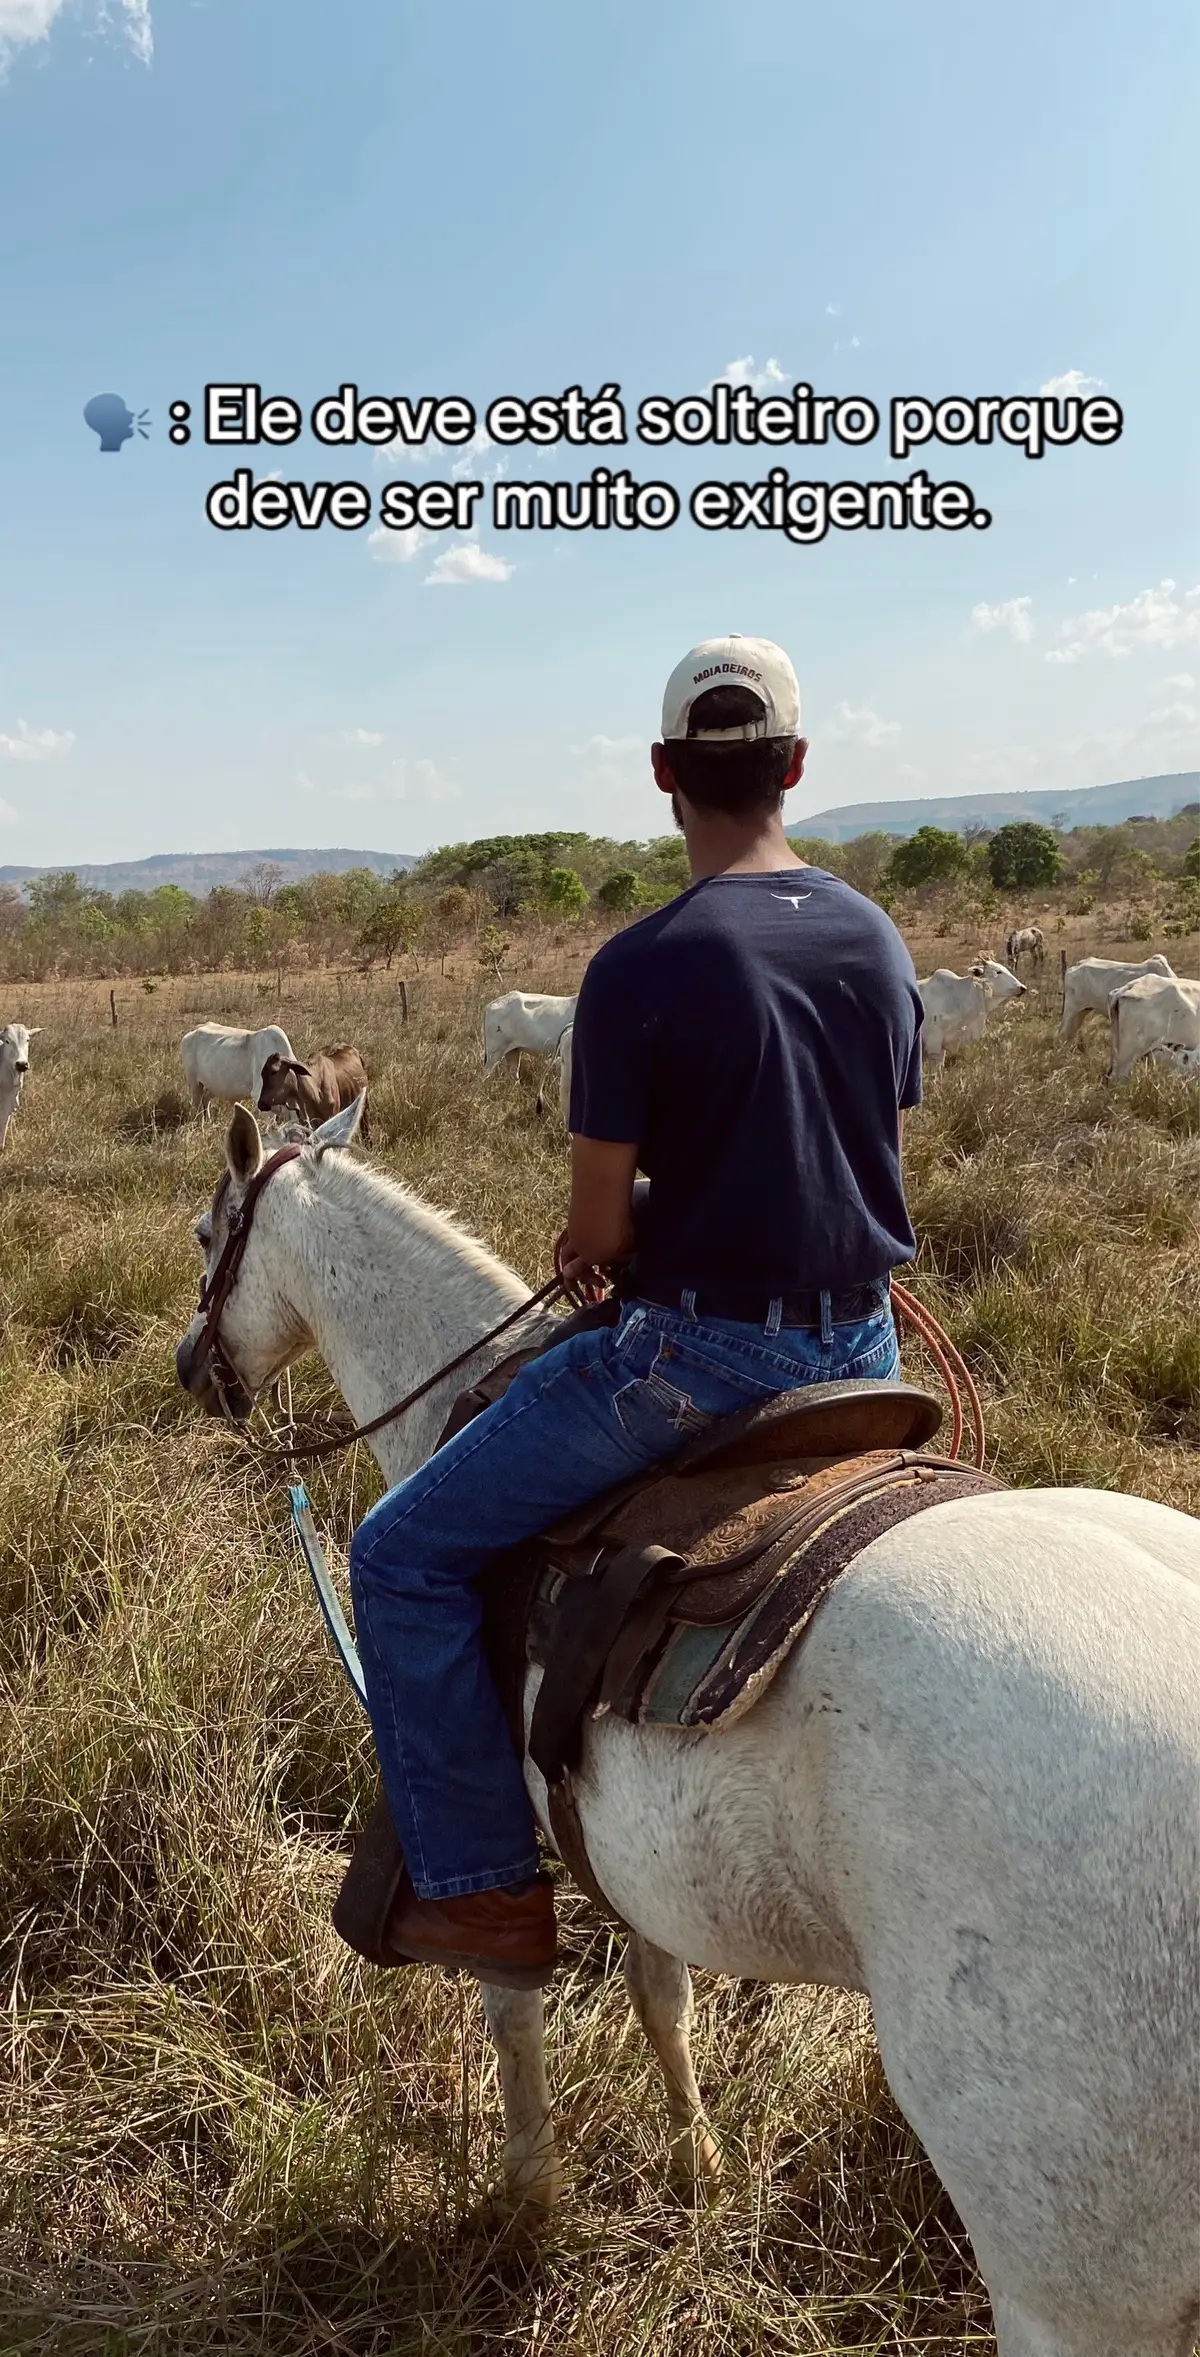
390,1291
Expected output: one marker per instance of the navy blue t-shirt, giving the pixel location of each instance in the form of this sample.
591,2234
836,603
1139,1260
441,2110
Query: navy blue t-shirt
757,1039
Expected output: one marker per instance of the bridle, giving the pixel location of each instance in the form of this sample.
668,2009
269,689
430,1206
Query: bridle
210,1351
215,1291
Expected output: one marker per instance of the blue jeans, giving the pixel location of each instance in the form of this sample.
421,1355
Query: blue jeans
600,1407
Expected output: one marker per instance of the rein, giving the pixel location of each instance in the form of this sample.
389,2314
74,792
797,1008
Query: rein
345,1440
215,1293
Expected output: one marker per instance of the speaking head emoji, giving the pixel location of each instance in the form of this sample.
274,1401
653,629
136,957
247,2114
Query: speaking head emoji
108,416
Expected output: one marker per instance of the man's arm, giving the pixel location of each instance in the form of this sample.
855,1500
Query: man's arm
600,1220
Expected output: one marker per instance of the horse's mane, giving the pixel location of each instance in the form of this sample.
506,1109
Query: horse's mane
357,1186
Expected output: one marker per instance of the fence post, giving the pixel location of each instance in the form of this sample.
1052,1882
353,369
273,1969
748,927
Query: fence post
402,987
1062,976
112,1007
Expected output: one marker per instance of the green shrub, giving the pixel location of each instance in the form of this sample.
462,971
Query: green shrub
931,856
1024,854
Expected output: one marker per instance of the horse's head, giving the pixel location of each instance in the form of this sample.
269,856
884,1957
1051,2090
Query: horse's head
246,1328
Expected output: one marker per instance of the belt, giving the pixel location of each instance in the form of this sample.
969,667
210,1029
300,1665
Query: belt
799,1309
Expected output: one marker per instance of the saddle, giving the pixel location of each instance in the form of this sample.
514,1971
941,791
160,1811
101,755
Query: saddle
674,1598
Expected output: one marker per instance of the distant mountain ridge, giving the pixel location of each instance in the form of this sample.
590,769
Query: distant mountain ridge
1096,806
198,871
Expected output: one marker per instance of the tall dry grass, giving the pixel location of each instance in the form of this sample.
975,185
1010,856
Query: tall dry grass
218,2131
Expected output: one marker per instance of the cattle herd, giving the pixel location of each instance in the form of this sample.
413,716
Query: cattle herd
1151,1013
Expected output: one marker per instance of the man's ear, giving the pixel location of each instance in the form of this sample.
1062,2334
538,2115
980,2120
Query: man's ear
661,765
243,1148
796,765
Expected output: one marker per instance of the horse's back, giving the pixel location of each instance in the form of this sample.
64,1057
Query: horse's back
1015,1814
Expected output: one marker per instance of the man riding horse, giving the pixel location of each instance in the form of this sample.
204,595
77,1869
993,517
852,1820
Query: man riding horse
751,1048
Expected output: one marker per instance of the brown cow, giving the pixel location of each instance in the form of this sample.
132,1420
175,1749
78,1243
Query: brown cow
314,1091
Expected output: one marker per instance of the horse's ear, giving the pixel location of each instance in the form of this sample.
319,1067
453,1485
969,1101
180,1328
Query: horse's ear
341,1128
243,1147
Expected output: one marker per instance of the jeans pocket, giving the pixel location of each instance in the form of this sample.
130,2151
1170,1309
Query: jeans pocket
882,1361
656,1414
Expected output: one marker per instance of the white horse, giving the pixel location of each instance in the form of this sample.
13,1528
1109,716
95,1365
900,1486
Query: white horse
971,1792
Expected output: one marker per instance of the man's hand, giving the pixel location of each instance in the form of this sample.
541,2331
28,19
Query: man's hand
600,1220
576,1271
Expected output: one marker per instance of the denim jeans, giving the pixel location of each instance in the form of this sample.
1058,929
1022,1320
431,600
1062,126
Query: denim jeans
600,1407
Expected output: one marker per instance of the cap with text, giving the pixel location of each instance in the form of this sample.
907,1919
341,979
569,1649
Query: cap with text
754,663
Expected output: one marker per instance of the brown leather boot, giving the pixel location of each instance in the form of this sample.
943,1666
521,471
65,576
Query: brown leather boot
506,1937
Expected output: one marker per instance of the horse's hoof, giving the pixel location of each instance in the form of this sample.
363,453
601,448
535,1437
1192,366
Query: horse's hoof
696,2168
533,2190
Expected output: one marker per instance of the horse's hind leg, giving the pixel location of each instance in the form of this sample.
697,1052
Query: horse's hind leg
660,1992
515,2025
1019,2333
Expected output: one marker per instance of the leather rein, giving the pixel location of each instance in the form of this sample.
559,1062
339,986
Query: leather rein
215,1292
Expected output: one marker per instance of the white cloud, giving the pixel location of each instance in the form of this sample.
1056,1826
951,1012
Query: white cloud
1072,381
466,561
859,725
138,29
7,813
743,372
306,784
397,548
459,456
1156,618
25,21
1013,615
36,744
421,781
609,748
1180,679
480,441
361,736
405,781
1000,768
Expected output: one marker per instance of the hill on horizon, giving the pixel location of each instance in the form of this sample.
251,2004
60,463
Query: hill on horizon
198,871
1081,806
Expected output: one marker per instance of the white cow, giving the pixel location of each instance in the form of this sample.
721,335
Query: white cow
1181,1059
14,1064
221,1062
523,1021
1027,940
1155,1011
956,1005
1089,986
563,1061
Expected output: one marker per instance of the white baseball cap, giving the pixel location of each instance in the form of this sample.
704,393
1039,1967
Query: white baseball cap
754,663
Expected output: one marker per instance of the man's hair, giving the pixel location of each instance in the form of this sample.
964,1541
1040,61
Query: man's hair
738,777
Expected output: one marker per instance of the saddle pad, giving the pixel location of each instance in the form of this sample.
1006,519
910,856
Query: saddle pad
706,1677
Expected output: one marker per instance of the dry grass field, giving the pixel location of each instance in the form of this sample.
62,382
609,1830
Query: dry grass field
218,2133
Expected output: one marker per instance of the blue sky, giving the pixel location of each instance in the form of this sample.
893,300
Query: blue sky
457,199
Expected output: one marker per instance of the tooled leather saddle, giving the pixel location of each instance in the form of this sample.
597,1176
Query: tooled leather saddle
674,1598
